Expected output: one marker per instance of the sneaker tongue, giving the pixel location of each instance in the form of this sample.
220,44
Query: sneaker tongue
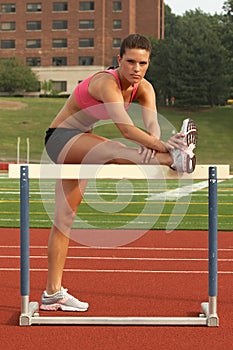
189,150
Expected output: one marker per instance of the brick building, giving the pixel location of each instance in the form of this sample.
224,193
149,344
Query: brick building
67,40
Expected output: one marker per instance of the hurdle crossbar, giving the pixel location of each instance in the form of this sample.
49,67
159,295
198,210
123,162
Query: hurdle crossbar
113,171
30,310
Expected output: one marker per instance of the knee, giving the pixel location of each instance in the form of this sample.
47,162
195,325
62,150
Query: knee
64,221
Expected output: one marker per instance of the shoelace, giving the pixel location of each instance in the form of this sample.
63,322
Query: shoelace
66,294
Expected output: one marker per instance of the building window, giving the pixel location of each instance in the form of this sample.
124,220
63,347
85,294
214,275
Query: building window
86,6
57,25
33,43
59,43
59,86
117,6
34,7
33,61
116,42
86,60
7,44
59,61
86,42
6,8
86,24
35,25
8,26
117,24
60,6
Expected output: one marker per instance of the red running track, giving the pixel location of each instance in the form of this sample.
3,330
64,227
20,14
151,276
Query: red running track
159,274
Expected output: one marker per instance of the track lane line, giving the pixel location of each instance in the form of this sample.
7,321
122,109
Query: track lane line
122,248
114,258
122,271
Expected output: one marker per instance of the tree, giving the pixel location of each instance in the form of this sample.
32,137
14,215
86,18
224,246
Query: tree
228,8
15,76
170,21
227,35
191,62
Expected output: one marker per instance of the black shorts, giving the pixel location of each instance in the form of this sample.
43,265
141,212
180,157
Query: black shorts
56,138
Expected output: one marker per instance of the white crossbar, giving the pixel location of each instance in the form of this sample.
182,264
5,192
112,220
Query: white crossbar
112,171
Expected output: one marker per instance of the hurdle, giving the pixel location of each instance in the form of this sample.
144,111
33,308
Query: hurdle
30,310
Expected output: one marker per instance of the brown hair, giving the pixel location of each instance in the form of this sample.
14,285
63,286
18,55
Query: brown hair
135,41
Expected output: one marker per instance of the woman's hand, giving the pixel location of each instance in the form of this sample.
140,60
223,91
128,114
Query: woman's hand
147,154
176,142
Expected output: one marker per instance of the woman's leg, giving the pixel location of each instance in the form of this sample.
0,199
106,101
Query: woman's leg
87,148
93,149
69,195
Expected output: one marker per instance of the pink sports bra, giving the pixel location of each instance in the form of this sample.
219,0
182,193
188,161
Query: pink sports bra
93,107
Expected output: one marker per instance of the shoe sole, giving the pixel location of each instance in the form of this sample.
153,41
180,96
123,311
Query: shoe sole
189,129
56,307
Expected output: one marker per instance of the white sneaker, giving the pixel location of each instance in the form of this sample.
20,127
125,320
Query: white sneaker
182,161
189,129
63,301
185,161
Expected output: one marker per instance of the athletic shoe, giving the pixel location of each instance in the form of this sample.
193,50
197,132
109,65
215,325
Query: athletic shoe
189,129
185,161
63,301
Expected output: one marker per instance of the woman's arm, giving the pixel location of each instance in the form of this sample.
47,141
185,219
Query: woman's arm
105,89
147,100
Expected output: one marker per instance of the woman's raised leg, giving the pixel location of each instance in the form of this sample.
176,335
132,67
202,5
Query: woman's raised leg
87,148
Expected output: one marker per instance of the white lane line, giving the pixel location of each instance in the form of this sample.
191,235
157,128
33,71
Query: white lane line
114,258
123,271
122,248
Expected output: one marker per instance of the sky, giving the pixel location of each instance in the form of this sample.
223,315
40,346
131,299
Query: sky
208,6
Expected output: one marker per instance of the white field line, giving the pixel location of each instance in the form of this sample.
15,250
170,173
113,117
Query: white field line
180,192
160,195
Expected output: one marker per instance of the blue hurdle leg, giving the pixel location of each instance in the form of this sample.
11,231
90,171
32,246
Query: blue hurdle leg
24,240
213,241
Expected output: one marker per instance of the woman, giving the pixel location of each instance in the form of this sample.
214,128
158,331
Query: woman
105,95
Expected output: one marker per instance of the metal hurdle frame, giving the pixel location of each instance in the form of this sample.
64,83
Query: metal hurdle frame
30,310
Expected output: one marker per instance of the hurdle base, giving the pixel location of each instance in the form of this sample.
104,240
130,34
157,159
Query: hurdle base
25,319
33,318
211,315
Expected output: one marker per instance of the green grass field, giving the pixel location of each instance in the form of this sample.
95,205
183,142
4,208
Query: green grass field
215,129
123,204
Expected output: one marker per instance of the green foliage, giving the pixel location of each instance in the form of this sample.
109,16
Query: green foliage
228,8
194,61
227,37
16,77
48,88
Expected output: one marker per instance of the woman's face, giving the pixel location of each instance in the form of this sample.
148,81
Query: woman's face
134,64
